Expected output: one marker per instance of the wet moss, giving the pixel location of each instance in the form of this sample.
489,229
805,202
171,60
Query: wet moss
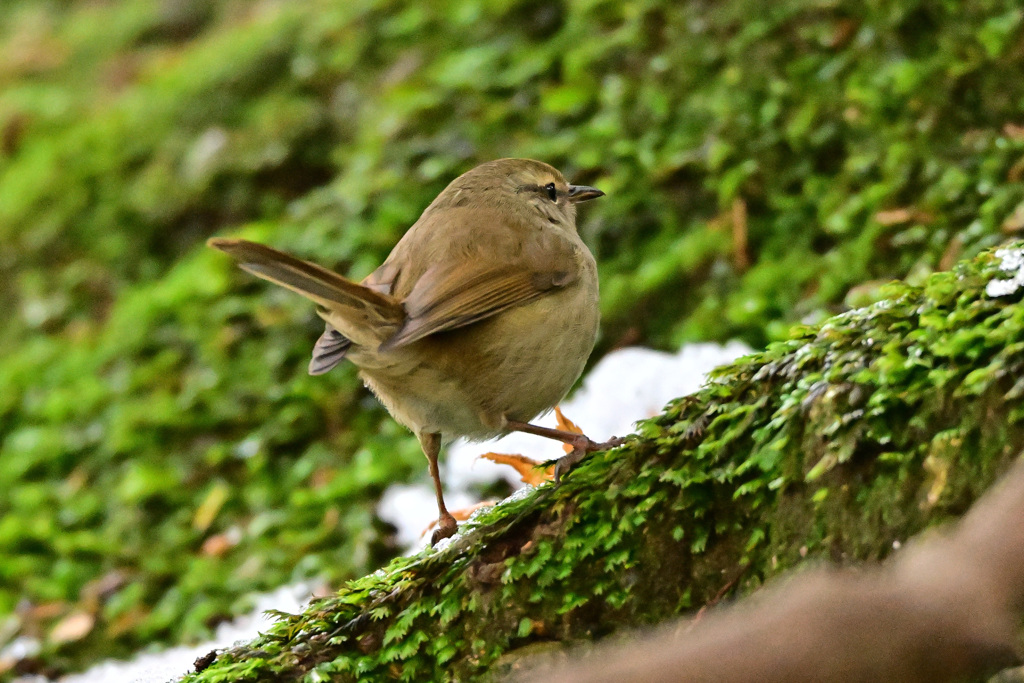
837,443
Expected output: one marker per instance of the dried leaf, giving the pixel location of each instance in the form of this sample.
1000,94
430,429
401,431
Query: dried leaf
217,545
938,469
44,611
211,505
74,626
894,216
566,425
527,468
1013,131
902,215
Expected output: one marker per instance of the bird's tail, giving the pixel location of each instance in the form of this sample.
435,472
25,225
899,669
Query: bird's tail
359,313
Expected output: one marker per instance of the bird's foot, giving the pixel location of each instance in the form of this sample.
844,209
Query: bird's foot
446,527
581,446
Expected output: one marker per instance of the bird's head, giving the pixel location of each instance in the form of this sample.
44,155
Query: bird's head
528,188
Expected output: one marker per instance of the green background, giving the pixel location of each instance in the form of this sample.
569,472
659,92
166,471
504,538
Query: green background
765,165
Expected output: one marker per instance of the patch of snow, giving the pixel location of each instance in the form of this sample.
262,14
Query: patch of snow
1011,262
19,649
175,662
412,507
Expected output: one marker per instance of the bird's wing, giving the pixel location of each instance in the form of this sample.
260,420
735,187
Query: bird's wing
445,304
497,271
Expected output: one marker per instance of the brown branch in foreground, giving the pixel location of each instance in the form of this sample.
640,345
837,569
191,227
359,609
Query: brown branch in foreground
944,609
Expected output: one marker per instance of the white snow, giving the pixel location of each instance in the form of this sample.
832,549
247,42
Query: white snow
412,507
627,385
1011,263
175,662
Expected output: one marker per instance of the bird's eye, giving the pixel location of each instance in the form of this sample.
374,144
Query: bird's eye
552,192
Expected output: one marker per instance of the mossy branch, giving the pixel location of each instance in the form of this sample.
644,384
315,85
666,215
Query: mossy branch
838,443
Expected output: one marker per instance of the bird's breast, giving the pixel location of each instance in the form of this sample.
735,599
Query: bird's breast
516,365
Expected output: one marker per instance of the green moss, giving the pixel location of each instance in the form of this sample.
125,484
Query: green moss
833,444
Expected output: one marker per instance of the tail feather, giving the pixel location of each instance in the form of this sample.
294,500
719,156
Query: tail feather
363,315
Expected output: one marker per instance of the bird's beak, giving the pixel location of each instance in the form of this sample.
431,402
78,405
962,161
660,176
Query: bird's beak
581,193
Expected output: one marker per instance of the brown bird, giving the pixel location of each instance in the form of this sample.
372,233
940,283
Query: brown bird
481,318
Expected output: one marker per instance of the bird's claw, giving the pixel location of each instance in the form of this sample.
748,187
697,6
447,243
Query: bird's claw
446,527
580,448
565,464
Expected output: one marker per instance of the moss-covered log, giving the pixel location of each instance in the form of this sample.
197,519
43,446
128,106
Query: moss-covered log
837,444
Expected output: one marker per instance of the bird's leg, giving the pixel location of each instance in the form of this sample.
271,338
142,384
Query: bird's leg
446,524
581,444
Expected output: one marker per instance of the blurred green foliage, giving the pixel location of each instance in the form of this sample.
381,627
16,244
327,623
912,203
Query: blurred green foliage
763,168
